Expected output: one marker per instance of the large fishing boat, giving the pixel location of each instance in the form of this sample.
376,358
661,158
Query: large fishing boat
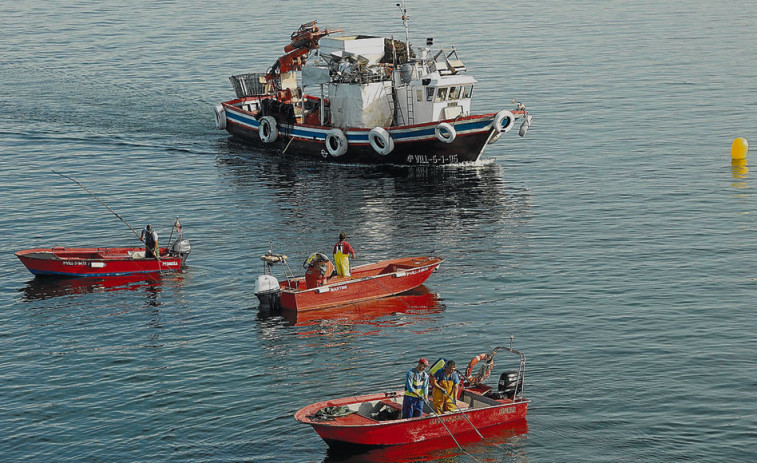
367,99
375,419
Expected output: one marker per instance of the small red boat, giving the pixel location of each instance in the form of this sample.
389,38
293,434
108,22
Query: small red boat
317,291
90,262
375,420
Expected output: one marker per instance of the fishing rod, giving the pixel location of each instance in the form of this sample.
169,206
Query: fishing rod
139,237
454,402
448,431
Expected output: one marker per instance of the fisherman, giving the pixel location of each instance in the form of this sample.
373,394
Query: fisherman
416,390
445,384
342,252
150,238
319,269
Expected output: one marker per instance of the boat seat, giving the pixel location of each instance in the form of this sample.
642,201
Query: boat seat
393,404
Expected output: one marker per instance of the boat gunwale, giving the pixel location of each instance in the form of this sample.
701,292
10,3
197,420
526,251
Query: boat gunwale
422,268
231,104
301,416
105,254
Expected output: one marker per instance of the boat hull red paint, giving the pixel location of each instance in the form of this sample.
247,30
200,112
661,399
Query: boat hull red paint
90,262
367,282
358,430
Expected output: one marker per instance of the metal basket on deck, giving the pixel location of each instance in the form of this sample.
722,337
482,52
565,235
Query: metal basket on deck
248,84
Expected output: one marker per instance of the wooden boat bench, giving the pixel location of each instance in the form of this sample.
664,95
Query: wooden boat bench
393,404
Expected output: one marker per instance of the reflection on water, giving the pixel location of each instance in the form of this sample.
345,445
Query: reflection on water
376,201
406,308
506,441
363,318
44,287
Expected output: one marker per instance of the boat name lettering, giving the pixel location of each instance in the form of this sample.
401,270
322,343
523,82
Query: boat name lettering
507,410
338,288
434,159
74,263
170,263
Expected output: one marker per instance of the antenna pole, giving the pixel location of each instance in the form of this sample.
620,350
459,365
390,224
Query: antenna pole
405,20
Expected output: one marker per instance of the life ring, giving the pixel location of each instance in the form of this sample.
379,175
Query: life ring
445,132
220,116
381,141
267,129
486,372
336,142
504,121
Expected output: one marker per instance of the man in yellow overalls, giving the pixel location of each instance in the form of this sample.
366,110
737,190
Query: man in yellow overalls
445,384
342,251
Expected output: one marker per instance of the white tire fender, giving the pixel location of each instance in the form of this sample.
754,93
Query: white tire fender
445,132
267,130
381,141
504,121
336,142
220,112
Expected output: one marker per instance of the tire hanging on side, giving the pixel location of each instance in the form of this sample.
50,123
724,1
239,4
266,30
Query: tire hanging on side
381,141
503,121
267,130
336,142
220,113
445,132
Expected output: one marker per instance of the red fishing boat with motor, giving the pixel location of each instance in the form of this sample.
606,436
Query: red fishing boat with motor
321,288
90,262
106,262
375,420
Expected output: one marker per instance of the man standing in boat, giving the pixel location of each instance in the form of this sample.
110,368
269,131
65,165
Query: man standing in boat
445,384
342,253
150,238
416,390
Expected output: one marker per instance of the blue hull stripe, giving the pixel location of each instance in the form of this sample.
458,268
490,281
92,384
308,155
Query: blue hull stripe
399,134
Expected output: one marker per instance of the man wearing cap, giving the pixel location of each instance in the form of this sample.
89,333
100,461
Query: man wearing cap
150,238
342,252
416,390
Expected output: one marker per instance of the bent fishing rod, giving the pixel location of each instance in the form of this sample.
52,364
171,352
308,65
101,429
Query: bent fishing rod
139,237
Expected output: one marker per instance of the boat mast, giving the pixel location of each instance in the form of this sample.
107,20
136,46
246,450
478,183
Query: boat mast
405,20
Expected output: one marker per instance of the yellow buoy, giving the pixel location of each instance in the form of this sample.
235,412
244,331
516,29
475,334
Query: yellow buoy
739,148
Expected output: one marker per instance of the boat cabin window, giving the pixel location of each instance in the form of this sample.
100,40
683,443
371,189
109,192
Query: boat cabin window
430,93
419,95
441,95
467,91
454,93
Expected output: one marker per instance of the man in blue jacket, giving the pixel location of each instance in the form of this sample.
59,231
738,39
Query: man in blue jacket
416,390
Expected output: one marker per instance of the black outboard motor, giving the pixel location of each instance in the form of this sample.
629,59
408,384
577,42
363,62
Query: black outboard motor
509,385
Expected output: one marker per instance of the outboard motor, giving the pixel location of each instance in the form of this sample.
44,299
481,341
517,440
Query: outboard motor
181,248
509,385
268,292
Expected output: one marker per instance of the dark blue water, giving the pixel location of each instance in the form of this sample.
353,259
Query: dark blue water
615,241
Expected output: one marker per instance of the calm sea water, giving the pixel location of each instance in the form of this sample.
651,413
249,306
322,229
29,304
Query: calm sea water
616,242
